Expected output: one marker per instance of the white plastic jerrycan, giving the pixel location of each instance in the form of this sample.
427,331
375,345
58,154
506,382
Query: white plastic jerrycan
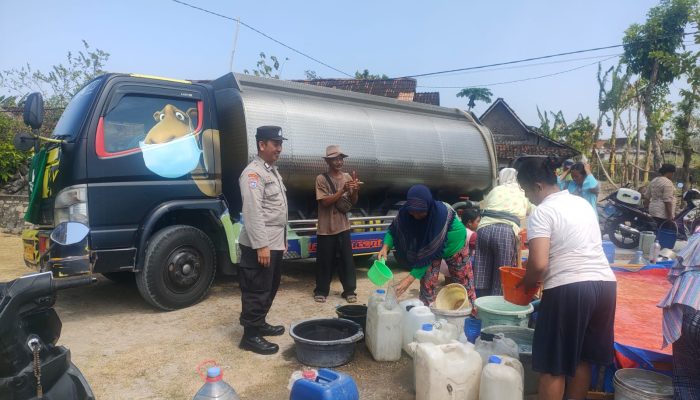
502,379
413,319
383,336
447,371
488,345
375,298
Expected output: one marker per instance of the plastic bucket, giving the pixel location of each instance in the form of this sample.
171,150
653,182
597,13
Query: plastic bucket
641,384
609,250
379,273
354,312
451,297
494,310
510,278
667,237
523,337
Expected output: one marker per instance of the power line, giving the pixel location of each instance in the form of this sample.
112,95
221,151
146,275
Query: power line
518,80
263,34
528,59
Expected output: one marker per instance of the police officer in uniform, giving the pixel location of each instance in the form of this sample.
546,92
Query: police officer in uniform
262,240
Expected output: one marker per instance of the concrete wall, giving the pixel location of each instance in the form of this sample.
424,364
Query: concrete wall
12,209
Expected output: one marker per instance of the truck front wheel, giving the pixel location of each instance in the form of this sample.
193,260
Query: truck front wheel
178,269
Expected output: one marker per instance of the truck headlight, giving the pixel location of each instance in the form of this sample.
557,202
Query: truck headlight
71,205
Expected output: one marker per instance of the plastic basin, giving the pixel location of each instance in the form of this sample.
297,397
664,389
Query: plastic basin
327,342
379,273
354,312
494,310
510,278
451,297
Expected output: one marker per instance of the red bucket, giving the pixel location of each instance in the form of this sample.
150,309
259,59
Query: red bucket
510,278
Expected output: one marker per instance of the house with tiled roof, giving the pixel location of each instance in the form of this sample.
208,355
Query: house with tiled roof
515,138
400,89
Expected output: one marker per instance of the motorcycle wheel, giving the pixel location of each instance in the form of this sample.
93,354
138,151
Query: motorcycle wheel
620,238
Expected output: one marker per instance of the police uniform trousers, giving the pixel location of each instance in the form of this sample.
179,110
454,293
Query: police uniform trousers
258,285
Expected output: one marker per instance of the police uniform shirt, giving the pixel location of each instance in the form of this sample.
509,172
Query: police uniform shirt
264,206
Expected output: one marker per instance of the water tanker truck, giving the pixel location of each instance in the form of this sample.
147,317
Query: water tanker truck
150,165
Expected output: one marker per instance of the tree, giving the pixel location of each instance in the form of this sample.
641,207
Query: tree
645,46
265,70
366,75
616,100
475,94
61,82
602,110
580,134
311,75
686,128
556,129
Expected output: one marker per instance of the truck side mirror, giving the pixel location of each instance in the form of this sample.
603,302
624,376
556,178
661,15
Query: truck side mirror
34,110
23,141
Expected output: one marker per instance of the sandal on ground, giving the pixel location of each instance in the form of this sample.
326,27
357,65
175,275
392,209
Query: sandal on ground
320,299
351,298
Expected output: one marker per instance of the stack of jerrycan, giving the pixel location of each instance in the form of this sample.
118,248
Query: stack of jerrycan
328,385
414,316
447,371
383,335
502,379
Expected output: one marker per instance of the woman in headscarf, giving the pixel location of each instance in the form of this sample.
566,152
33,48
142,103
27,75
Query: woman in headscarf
504,208
424,233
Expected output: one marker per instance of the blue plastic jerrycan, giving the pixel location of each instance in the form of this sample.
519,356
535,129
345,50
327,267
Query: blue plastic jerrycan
328,385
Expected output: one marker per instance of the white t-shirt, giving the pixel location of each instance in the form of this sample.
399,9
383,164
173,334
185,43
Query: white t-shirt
575,246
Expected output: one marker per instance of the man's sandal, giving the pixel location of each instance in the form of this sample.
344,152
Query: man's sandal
351,298
320,299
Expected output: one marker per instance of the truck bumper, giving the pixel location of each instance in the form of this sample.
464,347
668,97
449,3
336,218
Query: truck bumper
62,261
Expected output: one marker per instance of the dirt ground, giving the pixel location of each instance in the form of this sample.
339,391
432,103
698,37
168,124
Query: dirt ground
128,350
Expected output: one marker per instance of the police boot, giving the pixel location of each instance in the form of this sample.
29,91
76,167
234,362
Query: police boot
253,341
271,330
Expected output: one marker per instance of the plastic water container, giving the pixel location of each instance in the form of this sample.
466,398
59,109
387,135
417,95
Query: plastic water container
488,345
447,371
309,374
523,337
494,310
501,379
441,332
384,336
374,300
328,385
646,238
412,321
472,329
654,250
215,387
609,250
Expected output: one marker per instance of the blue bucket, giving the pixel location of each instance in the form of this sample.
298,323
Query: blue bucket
666,237
609,250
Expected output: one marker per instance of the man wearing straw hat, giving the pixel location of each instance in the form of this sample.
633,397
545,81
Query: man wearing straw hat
336,192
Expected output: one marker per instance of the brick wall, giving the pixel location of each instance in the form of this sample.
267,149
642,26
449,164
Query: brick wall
12,209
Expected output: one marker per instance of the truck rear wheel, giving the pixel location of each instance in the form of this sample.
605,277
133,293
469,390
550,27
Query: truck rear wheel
178,269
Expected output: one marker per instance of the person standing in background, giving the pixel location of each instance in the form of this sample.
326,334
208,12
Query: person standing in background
336,193
661,195
504,207
263,240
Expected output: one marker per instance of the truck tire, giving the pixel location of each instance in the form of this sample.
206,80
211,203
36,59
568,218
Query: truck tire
178,269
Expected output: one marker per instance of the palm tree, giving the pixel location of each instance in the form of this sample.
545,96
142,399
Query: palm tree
475,94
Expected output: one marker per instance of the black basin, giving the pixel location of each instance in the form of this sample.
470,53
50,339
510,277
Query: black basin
325,342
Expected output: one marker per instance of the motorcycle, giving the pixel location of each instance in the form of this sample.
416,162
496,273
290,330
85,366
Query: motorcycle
623,219
32,366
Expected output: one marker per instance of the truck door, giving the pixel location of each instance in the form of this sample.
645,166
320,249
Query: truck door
147,150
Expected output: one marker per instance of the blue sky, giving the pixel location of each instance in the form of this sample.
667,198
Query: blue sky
396,38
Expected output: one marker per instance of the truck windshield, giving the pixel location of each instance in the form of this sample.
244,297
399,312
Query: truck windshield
74,115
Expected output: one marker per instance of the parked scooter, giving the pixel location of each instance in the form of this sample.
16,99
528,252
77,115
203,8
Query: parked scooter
623,219
31,364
